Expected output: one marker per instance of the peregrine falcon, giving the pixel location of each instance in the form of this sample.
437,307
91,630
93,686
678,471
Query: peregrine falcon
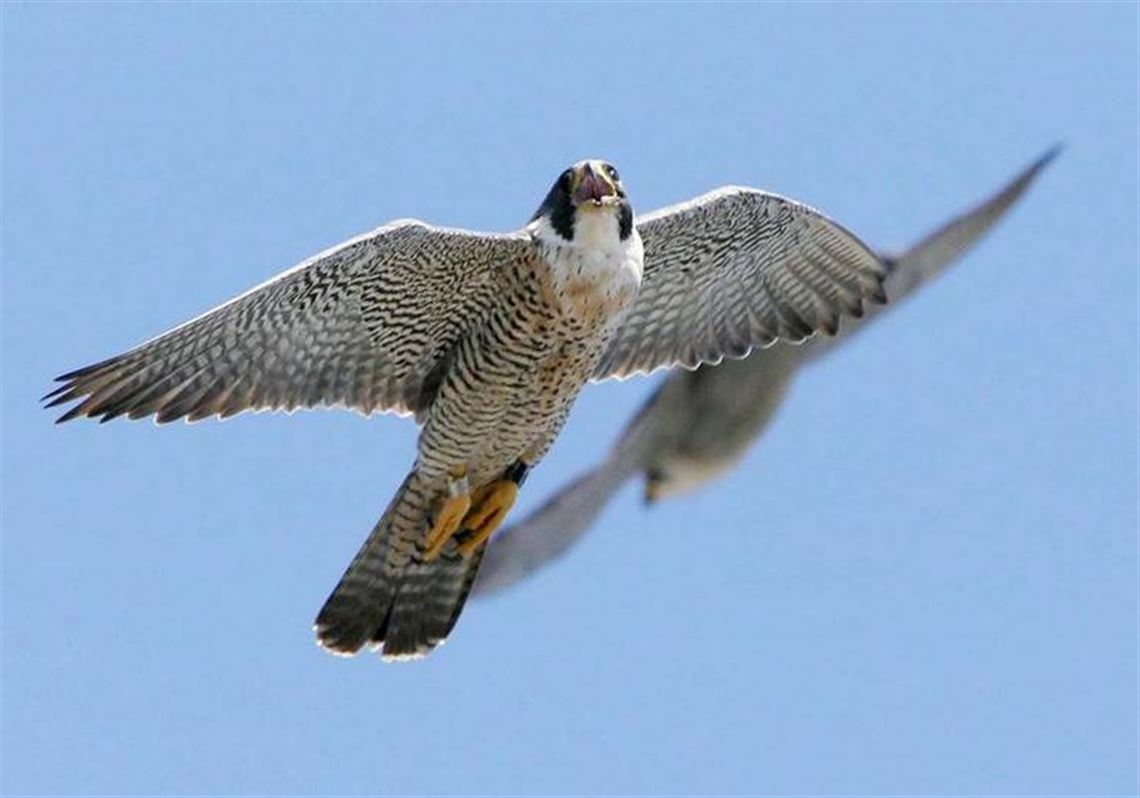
698,424
486,339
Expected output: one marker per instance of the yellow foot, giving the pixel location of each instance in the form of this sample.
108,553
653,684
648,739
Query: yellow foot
450,517
491,505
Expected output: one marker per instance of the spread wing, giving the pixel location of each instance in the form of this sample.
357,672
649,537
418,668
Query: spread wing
736,269
367,325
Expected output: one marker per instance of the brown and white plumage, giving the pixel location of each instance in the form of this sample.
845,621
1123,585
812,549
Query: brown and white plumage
362,325
486,339
698,424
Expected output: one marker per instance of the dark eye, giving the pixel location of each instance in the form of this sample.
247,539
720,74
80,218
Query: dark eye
612,172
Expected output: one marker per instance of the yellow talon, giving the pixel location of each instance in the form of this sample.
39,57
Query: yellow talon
491,505
447,523
450,517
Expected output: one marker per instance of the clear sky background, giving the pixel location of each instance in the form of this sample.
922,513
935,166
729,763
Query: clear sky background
922,581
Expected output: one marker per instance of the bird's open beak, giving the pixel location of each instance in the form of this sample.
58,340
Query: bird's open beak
592,187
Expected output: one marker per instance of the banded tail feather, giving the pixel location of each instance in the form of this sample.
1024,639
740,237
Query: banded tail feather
389,597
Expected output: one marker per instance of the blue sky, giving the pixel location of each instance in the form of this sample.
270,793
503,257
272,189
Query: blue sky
923,581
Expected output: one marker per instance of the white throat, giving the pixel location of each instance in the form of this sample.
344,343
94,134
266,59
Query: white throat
597,242
597,229
597,263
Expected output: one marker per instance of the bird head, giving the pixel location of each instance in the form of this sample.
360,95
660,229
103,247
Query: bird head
586,196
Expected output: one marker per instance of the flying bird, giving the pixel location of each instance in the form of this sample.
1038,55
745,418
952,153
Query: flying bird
699,424
486,340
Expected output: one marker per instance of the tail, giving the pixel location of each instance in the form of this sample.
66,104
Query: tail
389,597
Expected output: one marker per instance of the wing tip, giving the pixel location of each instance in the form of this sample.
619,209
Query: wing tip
1020,183
70,415
1047,157
878,294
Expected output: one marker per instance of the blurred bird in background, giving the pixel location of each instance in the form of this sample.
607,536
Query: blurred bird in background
699,424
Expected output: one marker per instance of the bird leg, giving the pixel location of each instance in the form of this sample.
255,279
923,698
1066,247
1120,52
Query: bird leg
489,506
450,516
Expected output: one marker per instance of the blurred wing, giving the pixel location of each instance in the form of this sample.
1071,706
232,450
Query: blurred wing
367,325
547,533
911,270
733,270
562,522
926,259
